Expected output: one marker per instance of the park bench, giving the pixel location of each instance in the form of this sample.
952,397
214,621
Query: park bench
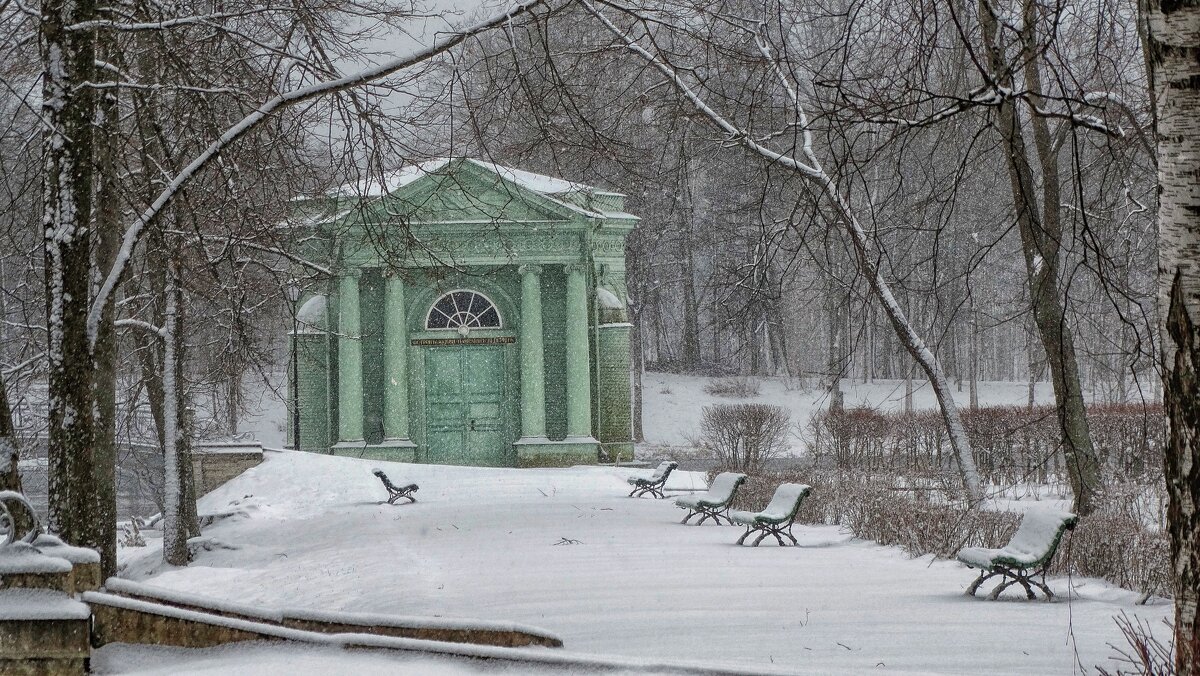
396,492
715,502
777,518
654,484
1025,557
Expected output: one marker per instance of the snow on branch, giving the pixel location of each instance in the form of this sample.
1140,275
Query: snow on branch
993,95
133,233
988,95
200,19
1078,120
144,326
238,242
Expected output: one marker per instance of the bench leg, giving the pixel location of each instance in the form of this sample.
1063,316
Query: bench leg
759,539
690,514
983,576
1001,587
1044,587
1011,577
791,537
742,539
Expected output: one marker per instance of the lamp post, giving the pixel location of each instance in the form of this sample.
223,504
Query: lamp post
293,295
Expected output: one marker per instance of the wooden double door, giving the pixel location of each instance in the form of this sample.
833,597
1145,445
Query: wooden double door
465,396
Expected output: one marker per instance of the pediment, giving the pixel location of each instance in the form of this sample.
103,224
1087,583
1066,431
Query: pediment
461,192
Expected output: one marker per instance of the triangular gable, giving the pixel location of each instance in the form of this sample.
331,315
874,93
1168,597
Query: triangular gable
468,191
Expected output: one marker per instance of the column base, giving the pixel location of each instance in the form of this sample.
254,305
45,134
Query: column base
542,452
617,451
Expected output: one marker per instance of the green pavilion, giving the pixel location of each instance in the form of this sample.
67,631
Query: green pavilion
475,315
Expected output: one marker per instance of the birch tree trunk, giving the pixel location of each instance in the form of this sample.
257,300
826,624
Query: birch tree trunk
174,534
1174,57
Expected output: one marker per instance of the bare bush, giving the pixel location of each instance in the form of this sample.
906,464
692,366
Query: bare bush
1012,444
1145,654
743,437
736,388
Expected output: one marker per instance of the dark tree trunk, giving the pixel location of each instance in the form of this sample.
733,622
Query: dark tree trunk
189,521
637,366
1041,239
104,385
68,114
10,475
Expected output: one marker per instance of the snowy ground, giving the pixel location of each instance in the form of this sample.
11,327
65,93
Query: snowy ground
567,551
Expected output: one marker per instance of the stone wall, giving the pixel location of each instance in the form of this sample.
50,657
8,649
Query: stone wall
613,414
214,464
314,386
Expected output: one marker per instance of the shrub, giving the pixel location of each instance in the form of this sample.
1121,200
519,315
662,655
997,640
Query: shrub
735,388
1012,444
743,437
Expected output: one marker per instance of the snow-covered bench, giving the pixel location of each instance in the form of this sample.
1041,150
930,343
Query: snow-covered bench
715,502
396,492
654,484
777,518
1025,557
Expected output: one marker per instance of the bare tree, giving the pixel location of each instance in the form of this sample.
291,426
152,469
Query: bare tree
801,158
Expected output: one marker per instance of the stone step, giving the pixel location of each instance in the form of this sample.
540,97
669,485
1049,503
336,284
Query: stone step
43,631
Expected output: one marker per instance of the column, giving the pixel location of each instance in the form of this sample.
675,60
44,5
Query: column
350,383
533,364
579,406
395,361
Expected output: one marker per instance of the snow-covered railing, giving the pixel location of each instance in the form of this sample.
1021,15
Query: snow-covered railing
456,630
140,613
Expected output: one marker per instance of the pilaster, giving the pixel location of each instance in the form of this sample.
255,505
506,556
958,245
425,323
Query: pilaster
533,366
350,390
395,365
579,413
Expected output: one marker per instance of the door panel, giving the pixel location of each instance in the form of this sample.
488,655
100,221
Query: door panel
465,400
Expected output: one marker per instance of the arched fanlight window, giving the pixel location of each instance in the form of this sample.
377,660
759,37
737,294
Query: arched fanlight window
462,311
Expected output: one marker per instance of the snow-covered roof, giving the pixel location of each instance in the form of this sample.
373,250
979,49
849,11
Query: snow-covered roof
568,194
391,181
311,316
608,300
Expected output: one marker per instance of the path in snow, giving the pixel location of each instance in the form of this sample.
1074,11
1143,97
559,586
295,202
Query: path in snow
485,543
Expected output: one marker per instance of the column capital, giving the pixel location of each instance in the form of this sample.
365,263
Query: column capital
578,267
530,269
350,273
